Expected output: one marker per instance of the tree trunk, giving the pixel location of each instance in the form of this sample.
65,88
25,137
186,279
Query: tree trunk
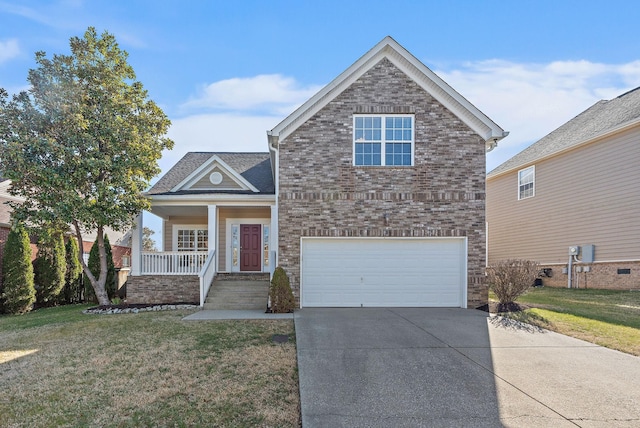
99,283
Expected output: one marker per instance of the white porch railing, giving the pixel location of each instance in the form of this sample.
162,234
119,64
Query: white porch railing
173,262
206,275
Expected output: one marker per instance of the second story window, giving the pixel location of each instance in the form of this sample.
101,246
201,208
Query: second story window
384,140
526,182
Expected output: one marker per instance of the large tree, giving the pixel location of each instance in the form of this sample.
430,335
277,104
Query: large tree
83,143
94,266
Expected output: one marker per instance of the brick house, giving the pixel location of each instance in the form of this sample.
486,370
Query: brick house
372,194
570,201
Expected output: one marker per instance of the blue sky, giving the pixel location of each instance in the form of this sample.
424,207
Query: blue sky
225,72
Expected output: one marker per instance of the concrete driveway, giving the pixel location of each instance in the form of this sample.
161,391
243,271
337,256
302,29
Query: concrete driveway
414,367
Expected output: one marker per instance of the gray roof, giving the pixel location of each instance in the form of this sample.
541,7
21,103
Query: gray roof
254,167
601,117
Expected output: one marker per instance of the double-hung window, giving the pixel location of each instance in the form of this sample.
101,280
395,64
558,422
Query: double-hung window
191,239
384,140
526,182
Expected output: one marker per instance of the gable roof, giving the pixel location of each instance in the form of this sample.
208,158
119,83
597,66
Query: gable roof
600,119
251,169
412,67
198,179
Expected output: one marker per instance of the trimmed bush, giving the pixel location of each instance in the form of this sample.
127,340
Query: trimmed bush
94,266
18,293
510,279
282,300
72,291
49,268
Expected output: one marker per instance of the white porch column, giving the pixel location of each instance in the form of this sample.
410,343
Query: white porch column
274,235
136,246
212,213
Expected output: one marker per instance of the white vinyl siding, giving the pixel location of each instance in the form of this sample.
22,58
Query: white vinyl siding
588,195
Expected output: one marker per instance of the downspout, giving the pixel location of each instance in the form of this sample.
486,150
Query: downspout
273,149
275,165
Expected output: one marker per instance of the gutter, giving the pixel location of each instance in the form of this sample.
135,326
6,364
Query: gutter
492,143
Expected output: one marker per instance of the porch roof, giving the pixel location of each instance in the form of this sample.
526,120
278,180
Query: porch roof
255,168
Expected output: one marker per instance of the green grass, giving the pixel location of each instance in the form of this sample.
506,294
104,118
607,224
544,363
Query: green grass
609,318
59,367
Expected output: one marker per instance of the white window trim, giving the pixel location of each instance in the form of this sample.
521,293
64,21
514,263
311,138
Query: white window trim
383,141
176,227
533,182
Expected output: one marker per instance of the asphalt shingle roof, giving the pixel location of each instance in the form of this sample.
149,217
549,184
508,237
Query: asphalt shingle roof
597,119
254,167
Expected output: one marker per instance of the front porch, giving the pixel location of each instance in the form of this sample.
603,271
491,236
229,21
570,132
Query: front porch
198,242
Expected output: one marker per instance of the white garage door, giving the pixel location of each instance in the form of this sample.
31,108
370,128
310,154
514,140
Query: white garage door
401,272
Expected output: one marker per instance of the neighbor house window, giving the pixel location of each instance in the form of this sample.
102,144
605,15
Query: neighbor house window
192,239
526,182
385,140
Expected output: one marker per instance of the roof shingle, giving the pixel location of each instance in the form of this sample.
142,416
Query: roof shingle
254,167
601,117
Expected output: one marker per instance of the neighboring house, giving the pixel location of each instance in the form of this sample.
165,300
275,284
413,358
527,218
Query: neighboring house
576,187
372,193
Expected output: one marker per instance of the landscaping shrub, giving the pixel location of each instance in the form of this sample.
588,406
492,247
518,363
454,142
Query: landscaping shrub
18,293
282,300
509,279
49,268
72,291
94,266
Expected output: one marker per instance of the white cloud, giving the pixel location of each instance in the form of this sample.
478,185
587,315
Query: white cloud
9,49
528,99
531,100
273,93
222,132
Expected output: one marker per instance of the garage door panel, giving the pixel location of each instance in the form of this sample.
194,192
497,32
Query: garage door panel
357,272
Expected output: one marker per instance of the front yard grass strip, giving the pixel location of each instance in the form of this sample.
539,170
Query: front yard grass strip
146,369
609,318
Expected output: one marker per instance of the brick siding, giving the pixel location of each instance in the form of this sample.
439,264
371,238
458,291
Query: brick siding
163,289
601,275
322,194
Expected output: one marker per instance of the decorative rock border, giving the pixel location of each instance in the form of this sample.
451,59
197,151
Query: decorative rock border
108,310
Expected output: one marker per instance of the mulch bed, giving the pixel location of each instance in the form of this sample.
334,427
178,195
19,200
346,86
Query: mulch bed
126,308
498,308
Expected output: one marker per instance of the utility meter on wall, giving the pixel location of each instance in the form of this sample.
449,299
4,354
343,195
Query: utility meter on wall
574,250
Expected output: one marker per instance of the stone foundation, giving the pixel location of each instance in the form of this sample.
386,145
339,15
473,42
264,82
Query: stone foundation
612,276
163,289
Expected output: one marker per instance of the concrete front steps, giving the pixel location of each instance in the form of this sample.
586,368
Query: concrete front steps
238,291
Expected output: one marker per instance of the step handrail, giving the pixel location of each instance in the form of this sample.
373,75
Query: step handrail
206,275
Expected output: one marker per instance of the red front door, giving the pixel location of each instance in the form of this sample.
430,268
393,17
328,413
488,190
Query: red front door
250,243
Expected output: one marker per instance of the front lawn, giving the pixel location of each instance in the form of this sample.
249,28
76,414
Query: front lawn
59,367
608,318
